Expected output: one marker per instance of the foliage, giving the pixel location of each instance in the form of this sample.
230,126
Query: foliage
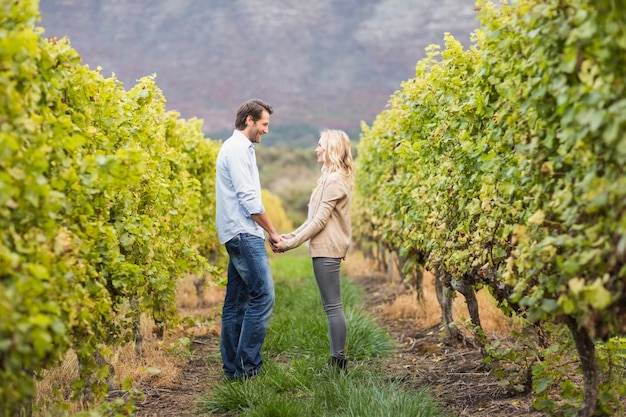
274,208
102,193
507,159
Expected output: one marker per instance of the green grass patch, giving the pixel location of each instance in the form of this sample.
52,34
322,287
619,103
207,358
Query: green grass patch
296,379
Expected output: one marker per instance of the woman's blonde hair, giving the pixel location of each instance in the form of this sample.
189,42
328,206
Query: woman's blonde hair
337,155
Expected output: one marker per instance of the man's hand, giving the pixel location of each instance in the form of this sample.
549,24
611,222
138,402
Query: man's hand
276,242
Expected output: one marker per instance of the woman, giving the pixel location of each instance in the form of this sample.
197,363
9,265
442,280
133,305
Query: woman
327,232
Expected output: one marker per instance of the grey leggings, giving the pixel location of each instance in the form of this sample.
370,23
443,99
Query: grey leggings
327,275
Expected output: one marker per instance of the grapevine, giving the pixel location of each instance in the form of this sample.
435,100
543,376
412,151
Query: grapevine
105,200
504,164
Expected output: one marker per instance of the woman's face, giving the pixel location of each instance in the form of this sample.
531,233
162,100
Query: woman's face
319,151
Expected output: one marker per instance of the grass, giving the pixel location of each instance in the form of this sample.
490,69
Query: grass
296,380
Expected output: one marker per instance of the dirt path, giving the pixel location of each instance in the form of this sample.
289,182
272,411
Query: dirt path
455,373
197,377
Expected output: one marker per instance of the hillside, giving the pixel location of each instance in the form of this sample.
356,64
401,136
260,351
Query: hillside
329,63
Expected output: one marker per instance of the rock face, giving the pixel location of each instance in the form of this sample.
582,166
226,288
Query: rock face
328,63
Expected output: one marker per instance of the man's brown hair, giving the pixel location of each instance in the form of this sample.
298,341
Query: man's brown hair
252,108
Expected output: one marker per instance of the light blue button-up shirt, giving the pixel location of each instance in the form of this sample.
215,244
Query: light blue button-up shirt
237,189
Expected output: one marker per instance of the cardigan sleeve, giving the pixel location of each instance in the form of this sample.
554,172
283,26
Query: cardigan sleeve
298,230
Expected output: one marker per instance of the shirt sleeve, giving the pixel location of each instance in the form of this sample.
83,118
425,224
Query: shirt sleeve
332,192
244,175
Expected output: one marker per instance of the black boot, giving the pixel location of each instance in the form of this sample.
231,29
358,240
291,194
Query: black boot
339,363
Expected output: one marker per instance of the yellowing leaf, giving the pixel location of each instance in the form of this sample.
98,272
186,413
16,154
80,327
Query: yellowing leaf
599,297
520,234
38,271
576,285
39,320
548,168
537,218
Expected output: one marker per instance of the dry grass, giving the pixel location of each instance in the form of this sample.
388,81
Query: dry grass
186,295
403,303
161,361
56,383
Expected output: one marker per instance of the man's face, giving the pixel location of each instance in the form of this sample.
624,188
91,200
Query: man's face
255,130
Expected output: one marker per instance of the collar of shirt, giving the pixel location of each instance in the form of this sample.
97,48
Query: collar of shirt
240,137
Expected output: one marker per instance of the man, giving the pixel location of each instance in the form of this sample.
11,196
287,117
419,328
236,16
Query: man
241,225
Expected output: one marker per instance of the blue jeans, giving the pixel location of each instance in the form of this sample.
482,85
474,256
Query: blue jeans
248,305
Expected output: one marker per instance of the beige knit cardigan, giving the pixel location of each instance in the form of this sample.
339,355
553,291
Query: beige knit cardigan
327,230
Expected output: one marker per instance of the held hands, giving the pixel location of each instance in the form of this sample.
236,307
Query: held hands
277,243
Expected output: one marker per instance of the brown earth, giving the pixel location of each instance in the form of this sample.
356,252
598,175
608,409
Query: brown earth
197,377
454,372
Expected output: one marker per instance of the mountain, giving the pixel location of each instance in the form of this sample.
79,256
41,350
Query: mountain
322,64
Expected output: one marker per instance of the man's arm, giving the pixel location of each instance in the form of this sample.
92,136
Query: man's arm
263,220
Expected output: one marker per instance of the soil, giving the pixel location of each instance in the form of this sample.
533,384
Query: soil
455,373
197,376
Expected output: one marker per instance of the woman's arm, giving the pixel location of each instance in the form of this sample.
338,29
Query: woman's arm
295,232
332,192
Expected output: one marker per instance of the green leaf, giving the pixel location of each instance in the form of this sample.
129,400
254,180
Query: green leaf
542,384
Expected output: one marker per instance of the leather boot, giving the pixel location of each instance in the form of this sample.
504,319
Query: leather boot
339,363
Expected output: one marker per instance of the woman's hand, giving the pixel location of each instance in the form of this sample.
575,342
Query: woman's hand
277,246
